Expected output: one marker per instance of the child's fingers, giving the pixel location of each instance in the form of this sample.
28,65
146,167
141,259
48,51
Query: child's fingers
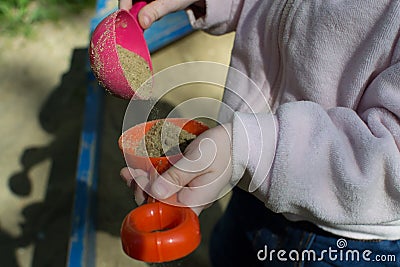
199,156
155,9
126,176
205,191
172,180
136,179
125,4
139,194
159,8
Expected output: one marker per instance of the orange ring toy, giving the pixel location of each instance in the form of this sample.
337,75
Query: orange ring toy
158,232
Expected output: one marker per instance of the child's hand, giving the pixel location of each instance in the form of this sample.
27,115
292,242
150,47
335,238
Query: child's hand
158,8
136,179
198,179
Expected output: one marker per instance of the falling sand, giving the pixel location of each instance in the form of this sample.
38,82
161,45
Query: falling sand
136,69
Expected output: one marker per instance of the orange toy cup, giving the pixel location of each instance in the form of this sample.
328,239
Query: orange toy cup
158,232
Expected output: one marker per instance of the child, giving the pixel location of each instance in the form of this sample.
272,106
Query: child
329,183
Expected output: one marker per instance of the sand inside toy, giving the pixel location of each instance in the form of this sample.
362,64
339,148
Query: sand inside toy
164,139
136,69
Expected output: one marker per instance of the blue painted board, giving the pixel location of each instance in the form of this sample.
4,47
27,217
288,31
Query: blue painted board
82,240
167,30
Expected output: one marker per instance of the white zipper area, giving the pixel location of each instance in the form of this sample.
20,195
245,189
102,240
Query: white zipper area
276,88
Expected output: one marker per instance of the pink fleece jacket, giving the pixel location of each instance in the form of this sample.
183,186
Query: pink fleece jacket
330,70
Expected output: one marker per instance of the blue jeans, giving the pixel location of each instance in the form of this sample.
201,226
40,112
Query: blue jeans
248,234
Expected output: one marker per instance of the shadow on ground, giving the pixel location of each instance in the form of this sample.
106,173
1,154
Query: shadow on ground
47,223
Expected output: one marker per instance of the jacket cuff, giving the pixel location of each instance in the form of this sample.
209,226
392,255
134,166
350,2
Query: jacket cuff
253,147
216,13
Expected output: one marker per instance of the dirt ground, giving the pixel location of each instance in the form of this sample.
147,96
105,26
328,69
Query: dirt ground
42,86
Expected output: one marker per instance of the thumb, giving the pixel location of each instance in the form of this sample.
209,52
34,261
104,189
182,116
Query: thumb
157,9
199,155
170,182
